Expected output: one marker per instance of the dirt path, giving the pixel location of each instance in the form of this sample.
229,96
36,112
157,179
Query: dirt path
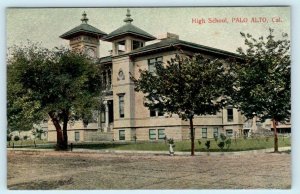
67,170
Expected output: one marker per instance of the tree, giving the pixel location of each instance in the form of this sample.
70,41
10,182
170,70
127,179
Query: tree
263,85
186,86
59,84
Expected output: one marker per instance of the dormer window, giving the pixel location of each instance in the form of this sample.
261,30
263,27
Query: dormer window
137,44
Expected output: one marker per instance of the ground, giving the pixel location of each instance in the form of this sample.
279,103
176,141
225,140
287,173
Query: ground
81,170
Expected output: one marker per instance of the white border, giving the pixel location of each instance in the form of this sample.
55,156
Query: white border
295,5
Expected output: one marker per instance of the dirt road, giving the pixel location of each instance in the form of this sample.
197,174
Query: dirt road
67,170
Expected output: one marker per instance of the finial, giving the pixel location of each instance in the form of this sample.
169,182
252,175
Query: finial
84,19
128,20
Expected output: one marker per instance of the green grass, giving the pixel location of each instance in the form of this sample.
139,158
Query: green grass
238,145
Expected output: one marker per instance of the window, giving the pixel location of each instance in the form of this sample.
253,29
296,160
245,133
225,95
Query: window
152,134
161,134
137,44
121,134
152,62
152,113
109,79
155,113
229,132
229,114
204,132
121,106
77,136
216,132
160,113
104,80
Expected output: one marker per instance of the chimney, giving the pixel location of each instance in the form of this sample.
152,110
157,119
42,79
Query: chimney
167,36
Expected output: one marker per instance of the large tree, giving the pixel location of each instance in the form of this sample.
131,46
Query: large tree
58,84
263,84
186,86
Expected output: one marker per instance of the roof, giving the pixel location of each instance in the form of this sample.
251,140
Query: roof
107,59
83,28
169,43
129,29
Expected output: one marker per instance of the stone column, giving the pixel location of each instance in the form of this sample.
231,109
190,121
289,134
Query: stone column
106,116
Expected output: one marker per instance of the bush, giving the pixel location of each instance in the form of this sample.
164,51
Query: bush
222,136
16,138
207,144
216,138
171,141
25,137
8,137
221,145
228,143
199,142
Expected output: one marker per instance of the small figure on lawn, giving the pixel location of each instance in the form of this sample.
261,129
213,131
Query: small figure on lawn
171,146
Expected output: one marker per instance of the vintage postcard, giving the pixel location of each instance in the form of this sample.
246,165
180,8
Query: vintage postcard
148,98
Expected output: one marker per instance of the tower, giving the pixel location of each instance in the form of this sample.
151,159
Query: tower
85,38
128,37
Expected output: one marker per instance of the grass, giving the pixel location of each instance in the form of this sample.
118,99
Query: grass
239,144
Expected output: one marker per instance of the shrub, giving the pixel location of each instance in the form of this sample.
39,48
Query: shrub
228,143
216,138
222,136
207,144
25,137
8,137
16,138
199,142
221,145
171,141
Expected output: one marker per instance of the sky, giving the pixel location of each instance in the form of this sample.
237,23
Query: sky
45,25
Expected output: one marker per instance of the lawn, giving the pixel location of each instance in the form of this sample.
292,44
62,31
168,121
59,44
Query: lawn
239,144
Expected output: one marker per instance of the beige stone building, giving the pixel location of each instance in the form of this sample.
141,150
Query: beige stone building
125,117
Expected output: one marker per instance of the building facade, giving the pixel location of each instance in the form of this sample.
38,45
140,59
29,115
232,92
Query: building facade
124,116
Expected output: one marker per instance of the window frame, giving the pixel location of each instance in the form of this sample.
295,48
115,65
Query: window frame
123,135
226,131
159,135
204,132
229,116
151,65
152,136
121,105
216,132
77,136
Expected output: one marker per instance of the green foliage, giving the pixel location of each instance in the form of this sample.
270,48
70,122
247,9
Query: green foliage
207,144
199,142
171,141
221,145
263,84
223,137
41,82
228,143
8,137
184,86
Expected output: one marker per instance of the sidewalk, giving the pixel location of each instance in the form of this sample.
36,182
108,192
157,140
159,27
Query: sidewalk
79,150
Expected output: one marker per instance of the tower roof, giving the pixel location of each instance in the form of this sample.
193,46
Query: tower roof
83,28
128,29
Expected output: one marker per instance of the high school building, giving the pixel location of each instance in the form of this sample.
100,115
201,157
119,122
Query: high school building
124,116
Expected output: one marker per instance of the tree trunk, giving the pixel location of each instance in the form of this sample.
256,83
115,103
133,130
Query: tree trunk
275,136
65,127
59,134
192,136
